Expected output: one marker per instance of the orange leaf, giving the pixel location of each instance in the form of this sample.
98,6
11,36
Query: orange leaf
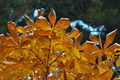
79,75
73,34
107,75
42,23
109,38
40,13
52,17
95,70
29,21
12,29
63,23
20,29
94,38
78,39
89,46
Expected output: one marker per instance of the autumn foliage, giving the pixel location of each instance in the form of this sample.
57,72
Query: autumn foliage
42,50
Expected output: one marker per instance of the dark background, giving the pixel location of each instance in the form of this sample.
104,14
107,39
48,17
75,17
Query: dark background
92,12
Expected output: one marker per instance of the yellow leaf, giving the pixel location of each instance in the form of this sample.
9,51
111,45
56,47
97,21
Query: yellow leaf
20,29
59,48
42,23
109,38
118,62
63,23
107,75
77,67
52,17
89,76
73,34
117,51
75,52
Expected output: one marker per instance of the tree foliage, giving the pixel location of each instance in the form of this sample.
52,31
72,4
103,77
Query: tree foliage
42,50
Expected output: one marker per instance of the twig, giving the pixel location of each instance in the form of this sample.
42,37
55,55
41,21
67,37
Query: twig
38,57
56,58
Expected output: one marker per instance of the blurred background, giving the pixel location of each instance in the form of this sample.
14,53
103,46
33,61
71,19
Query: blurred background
91,17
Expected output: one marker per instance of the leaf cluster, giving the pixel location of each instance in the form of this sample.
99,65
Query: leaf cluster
42,50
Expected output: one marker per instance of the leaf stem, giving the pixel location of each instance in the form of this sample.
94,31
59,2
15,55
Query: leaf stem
56,58
38,57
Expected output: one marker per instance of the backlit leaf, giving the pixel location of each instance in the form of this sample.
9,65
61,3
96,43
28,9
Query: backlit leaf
89,47
42,23
94,38
20,29
63,23
78,39
29,21
109,38
12,29
107,75
118,62
95,70
73,34
52,17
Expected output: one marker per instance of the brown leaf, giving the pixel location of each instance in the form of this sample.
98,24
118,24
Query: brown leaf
79,75
109,38
40,13
52,17
63,23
